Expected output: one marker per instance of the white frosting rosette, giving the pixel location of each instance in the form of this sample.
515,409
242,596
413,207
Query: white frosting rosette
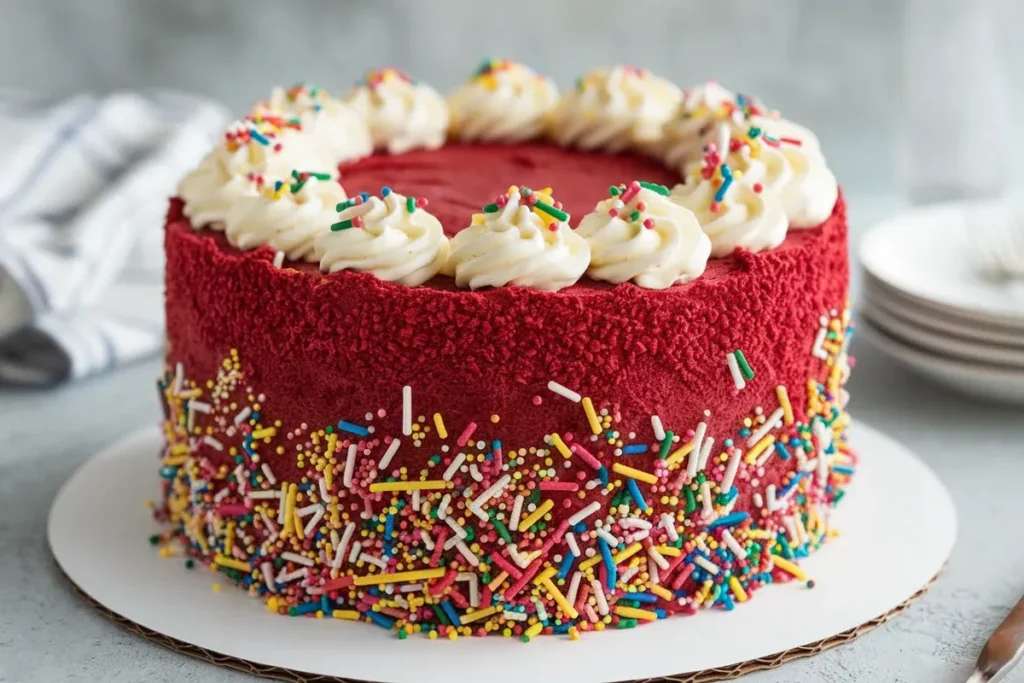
523,239
402,114
392,237
287,216
336,130
503,102
695,120
638,234
731,213
614,109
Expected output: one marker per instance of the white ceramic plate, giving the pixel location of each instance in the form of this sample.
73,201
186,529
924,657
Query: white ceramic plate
876,296
925,253
946,345
972,379
99,540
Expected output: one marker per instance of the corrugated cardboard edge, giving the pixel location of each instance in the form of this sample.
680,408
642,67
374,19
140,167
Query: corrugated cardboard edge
720,674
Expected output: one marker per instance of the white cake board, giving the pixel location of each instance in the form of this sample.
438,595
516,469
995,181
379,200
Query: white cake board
897,525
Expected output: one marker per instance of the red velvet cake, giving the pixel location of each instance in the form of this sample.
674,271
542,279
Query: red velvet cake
470,403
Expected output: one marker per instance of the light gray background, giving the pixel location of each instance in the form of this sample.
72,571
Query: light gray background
859,73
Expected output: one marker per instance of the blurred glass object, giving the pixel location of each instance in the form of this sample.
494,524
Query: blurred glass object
955,102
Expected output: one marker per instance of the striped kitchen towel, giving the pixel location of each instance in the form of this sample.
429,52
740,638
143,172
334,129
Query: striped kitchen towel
84,185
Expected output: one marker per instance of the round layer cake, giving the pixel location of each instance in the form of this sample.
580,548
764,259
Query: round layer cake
584,437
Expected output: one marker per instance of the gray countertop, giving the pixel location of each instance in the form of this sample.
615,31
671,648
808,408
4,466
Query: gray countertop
48,634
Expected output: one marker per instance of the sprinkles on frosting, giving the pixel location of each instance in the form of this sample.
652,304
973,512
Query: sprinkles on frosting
600,528
352,210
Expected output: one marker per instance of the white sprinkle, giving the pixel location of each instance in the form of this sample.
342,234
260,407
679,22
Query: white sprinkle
374,560
659,431
734,370
758,502
271,479
339,554
410,588
467,553
407,410
657,557
278,259
442,508
296,558
517,509
199,406
607,536
416,499
221,495
270,525
800,529
256,495
350,466
564,392
602,602
475,473
574,587
303,511
454,467
705,497
628,575
634,523
794,537
495,488
771,423
450,543
818,351
389,453
698,443
314,520
357,548
281,507
268,576
730,470
705,452
772,503
515,616
542,612
822,469
733,544
179,377
213,443
243,415
669,525
459,530
474,586
287,577
706,564
574,547
584,513
652,571
428,542
325,495
808,465
518,557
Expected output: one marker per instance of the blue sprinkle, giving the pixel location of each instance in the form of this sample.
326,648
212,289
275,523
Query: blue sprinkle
380,619
307,608
580,527
612,573
640,597
632,448
729,520
169,472
726,601
563,571
385,191
325,607
364,196
789,487
733,492
603,475
562,629
453,616
352,428
781,450
255,416
661,613
843,469
634,491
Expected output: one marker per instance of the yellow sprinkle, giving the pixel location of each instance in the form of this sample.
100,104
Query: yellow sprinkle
348,614
289,510
662,592
574,633
626,553
635,613
590,562
439,423
756,533
409,485
677,457
560,445
759,448
470,617
399,577
229,537
790,568
534,630
668,550
560,600
787,409
232,563
737,589
497,581
297,521
264,433
191,393
625,471
180,448
335,515
535,516
174,461
588,408
545,575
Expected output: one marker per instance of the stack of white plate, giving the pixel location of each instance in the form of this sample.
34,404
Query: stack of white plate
929,302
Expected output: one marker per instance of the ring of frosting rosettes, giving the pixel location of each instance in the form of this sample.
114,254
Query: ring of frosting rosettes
747,177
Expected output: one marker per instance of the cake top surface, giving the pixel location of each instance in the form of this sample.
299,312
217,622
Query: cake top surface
296,171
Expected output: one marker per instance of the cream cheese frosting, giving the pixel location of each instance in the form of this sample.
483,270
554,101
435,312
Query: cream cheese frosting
523,239
287,216
402,114
695,119
638,234
613,109
732,214
502,102
391,236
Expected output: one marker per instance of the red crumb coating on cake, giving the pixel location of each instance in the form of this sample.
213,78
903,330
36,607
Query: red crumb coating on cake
328,348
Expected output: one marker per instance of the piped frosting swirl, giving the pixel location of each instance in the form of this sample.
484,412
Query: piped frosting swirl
503,101
522,239
638,234
614,109
391,236
402,114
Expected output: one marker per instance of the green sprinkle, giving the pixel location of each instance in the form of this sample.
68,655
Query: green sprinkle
410,204
691,501
654,187
744,366
635,216
787,552
666,443
839,497
341,225
627,623
341,206
154,539
557,214
500,527
614,191
525,192
441,616
402,635
189,564
329,429
491,208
